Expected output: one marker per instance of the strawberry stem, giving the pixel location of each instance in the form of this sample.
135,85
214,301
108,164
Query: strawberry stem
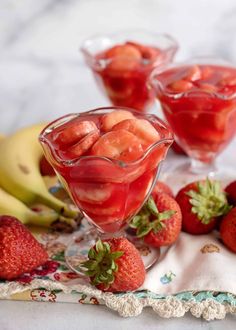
101,265
144,222
209,201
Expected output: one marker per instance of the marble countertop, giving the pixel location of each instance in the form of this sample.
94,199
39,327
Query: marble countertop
43,76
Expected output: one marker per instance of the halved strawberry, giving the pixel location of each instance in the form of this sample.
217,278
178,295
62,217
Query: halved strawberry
228,81
93,193
180,86
193,73
119,144
123,51
141,128
206,72
112,118
122,58
74,131
148,53
207,87
83,145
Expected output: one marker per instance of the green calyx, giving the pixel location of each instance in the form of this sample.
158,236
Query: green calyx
101,265
143,220
209,201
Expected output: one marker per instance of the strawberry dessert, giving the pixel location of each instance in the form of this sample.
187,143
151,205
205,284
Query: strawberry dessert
122,70
108,161
199,102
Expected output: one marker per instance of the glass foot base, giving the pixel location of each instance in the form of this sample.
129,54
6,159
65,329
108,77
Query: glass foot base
178,177
77,250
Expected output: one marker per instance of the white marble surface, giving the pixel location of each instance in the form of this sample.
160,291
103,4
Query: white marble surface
43,76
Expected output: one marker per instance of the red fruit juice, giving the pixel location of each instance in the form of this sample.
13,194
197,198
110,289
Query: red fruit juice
125,71
199,102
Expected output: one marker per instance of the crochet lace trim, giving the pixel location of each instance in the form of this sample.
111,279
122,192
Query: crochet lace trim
132,304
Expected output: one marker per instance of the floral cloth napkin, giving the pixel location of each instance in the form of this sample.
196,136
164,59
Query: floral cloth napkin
196,275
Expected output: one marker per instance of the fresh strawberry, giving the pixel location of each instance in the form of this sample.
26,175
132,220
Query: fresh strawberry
20,251
231,193
46,168
113,118
115,265
121,145
74,131
201,203
141,128
161,187
177,149
159,221
228,230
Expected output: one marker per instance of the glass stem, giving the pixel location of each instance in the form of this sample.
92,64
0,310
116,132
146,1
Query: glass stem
199,167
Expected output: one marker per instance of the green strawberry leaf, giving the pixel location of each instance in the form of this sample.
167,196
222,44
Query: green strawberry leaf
116,254
143,230
151,205
209,201
166,215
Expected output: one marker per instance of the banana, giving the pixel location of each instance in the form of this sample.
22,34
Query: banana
10,205
20,175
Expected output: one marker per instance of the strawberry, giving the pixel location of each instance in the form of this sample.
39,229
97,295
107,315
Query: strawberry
180,86
177,149
148,53
159,221
74,131
83,145
161,187
193,73
122,58
141,128
231,193
115,265
228,230
125,51
20,251
201,203
121,145
46,168
113,118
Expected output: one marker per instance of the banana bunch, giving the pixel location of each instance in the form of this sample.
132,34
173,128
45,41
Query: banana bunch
21,183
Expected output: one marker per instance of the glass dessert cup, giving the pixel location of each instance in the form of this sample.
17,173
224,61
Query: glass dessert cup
122,62
198,99
109,192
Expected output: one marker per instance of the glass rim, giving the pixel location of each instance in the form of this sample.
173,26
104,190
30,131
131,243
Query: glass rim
153,82
172,43
68,163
